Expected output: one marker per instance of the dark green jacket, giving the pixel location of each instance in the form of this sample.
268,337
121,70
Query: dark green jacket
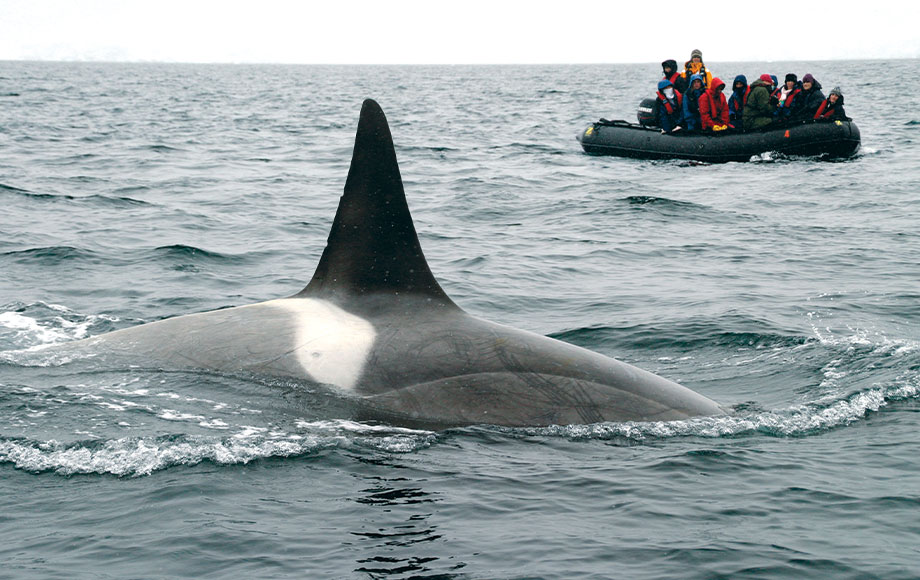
758,112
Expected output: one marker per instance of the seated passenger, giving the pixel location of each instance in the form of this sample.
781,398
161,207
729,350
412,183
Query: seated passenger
669,69
691,67
737,100
691,104
809,99
785,97
669,107
832,107
714,107
758,112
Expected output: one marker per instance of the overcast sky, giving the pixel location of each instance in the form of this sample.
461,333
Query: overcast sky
473,31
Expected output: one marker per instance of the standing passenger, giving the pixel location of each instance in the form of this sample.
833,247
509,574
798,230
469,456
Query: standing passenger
737,100
669,106
758,112
691,119
714,108
691,67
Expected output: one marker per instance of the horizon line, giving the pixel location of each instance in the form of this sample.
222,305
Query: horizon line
284,63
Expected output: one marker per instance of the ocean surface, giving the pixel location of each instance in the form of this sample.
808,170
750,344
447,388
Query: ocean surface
786,289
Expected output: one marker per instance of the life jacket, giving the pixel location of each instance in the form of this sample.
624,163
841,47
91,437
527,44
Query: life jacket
734,99
825,111
667,103
689,73
778,93
673,78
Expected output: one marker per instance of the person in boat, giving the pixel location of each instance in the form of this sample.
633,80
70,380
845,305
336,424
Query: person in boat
785,97
669,106
692,67
809,99
669,69
737,100
758,112
832,107
714,107
691,104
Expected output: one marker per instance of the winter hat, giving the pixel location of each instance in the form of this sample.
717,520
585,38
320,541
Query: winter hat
696,52
791,77
808,78
766,78
836,91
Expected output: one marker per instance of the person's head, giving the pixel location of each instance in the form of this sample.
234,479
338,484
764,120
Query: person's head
669,67
835,95
766,79
808,82
791,80
696,83
717,85
666,88
696,56
740,83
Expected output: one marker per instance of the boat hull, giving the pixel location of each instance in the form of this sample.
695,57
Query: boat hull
836,139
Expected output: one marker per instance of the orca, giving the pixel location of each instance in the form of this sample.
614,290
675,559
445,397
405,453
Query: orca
375,326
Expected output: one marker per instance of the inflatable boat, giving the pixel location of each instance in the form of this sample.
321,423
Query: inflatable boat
833,139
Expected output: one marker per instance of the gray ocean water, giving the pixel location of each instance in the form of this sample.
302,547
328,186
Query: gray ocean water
786,289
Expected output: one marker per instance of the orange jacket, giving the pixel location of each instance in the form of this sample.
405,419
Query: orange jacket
691,68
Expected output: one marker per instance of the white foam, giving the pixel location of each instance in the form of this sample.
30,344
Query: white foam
30,329
137,457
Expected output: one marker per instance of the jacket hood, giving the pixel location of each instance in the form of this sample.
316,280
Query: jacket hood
716,86
663,84
672,64
738,79
695,77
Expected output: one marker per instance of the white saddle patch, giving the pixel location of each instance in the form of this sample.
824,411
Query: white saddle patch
331,344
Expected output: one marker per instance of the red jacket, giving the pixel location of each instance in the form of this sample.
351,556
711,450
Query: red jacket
713,106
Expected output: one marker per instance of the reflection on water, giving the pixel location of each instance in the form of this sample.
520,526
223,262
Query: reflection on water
400,540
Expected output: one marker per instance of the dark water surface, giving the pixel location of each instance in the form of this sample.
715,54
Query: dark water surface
788,289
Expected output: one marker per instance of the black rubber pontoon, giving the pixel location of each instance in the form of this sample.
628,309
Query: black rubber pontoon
836,139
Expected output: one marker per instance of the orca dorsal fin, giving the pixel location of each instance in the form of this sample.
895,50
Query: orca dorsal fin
373,247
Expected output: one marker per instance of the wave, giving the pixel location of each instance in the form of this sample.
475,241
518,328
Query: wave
139,456
24,326
11,189
51,255
728,331
95,200
182,251
799,421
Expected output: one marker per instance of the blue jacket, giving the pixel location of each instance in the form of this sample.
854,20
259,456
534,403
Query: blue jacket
668,120
691,117
736,101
